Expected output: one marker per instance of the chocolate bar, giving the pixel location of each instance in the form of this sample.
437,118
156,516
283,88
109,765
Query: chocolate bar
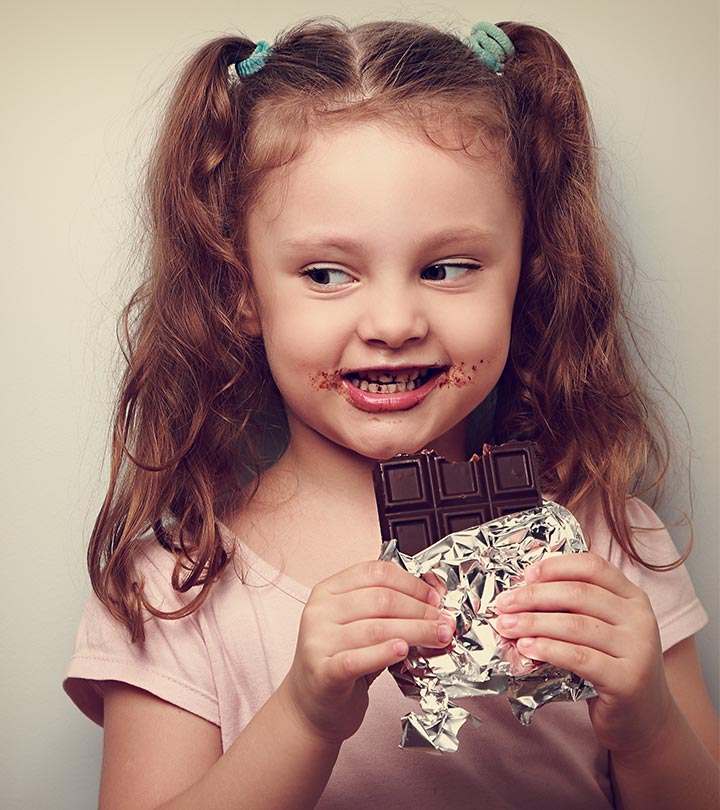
422,497
476,566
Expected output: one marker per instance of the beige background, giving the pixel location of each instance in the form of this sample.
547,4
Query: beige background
79,101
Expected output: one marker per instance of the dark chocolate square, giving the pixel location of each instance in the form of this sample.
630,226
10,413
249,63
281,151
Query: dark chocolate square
422,497
510,470
405,482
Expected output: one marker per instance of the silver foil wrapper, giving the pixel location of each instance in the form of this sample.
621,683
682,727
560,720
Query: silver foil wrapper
473,567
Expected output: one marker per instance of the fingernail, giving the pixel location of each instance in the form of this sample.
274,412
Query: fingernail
525,643
400,648
505,599
444,633
532,574
434,599
508,620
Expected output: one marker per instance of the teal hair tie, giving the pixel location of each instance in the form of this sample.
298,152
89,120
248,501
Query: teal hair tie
491,45
253,63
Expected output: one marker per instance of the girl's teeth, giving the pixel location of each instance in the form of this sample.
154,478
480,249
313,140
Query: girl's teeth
384,383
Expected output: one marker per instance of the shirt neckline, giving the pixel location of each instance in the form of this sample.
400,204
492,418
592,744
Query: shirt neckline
272,575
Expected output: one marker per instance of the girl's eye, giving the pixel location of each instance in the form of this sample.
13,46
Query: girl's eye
448,271
327,276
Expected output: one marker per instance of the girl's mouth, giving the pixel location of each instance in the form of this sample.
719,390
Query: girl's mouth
386,381
391,390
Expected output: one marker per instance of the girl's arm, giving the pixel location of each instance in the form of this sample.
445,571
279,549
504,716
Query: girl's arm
355,624
156,755
652,711
680,768
685,679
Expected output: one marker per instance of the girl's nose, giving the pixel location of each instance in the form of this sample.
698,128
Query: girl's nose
392,318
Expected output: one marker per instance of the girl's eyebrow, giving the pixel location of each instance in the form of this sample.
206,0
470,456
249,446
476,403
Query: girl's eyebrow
459,233
324,242
436,241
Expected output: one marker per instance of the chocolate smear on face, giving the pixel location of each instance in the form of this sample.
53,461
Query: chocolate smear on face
326,380
459,375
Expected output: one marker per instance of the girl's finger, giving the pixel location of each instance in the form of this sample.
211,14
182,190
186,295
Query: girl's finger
370,632
349,665
380,574
593,665
370,603
572,597
573,628
585,567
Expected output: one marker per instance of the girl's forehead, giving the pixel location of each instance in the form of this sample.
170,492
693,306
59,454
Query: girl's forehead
370,174
330,151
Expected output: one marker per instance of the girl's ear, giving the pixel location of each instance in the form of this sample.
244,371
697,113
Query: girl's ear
249,319
247,315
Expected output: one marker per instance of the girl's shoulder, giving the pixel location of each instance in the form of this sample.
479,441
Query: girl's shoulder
155,567
650,534
213,662
159,564
667,582
171,663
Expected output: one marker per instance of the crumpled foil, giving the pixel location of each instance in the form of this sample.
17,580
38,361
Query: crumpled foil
474,567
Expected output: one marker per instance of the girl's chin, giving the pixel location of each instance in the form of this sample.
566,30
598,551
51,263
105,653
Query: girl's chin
382,452
451,445
378,436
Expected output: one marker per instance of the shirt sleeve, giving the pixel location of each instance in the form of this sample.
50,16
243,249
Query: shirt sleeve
172,663
677,608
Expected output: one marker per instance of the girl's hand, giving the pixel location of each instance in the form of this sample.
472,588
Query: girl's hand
355,624
581,613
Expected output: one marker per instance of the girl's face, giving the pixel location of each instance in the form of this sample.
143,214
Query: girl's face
385,270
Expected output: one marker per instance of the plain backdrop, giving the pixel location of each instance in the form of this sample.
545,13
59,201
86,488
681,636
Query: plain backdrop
82,83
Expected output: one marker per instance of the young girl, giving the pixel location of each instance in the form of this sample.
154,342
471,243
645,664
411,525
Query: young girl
368,242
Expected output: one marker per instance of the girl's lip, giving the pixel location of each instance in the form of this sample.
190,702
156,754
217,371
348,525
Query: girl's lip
371,402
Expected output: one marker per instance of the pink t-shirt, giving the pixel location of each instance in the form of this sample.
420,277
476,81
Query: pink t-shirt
226,659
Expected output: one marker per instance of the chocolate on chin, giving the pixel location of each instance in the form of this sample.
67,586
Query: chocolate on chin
422,497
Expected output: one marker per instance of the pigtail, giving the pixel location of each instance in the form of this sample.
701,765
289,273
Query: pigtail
195,378
570,383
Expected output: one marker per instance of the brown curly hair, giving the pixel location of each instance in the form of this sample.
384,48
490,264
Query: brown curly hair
197,402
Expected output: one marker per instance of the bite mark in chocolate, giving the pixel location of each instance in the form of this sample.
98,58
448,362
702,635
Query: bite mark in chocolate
422,497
